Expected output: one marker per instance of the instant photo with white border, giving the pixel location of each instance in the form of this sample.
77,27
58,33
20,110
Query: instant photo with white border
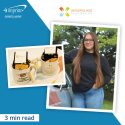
35,66
116,68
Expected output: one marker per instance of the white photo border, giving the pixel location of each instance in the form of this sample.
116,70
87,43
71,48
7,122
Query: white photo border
34,47
116,67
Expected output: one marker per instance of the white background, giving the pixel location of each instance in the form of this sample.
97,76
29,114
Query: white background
107,12
19,117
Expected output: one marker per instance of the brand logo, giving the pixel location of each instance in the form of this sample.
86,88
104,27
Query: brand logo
64,11
14,11
67,11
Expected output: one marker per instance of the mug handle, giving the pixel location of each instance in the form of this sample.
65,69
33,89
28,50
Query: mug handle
34,69
33,73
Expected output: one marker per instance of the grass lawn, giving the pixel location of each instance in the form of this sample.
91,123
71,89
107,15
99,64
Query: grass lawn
107,105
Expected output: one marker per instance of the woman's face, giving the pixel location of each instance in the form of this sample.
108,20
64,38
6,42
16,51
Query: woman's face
89,43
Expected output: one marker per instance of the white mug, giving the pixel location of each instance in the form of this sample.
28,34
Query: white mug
49,68
24,76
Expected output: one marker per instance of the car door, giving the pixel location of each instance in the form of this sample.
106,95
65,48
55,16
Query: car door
61,96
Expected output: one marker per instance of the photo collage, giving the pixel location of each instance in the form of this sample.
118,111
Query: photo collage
79,67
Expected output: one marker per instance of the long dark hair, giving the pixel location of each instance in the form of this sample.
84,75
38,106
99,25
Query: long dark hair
76,62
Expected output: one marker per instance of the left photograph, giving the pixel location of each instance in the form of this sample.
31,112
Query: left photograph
35,66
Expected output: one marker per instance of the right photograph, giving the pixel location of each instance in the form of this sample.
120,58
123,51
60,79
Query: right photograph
91,64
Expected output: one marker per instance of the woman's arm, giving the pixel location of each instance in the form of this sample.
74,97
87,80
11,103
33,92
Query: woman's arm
70,56
106,70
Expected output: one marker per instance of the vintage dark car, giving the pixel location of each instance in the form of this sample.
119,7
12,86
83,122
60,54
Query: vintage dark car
60,96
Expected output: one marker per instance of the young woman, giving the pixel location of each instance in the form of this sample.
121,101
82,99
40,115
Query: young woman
91,72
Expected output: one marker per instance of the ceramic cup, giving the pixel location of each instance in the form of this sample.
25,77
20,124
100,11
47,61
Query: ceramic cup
49,67
24,76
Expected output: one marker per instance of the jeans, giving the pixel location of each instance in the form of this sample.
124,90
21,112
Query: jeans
93,99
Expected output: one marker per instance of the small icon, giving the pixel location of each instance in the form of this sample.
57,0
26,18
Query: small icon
64,11
67,9
61,14
61,9
67,14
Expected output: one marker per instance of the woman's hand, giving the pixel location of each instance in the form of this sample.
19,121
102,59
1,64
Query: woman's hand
94,86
